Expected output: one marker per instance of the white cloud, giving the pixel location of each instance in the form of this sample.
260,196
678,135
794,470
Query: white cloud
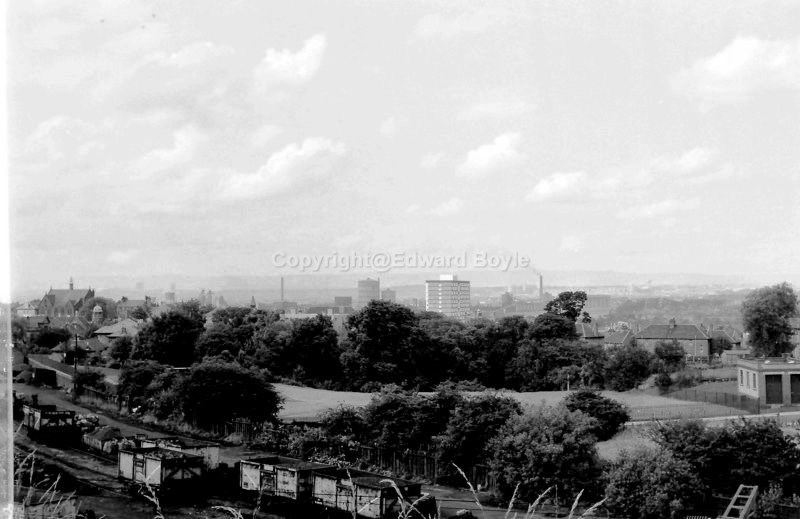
557,185
502,109
263,135
571,243
501,153
697,166
436,25
186,141
388,126
745,66
432,160
121,256
450,207
293,167
192,54
661,208
285,66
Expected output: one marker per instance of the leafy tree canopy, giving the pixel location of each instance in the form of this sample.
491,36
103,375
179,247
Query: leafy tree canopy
627,367
569,305
766,313
168,339
610,414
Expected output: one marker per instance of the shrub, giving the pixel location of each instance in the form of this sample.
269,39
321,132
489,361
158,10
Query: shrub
610,414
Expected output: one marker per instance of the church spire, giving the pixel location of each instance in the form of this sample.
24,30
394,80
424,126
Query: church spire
70,283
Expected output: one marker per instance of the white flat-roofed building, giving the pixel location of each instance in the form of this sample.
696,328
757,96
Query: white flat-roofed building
448,296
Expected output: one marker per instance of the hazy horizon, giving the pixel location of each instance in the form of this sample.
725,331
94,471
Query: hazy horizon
150,139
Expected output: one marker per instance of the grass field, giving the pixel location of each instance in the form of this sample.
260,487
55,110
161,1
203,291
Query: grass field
306,404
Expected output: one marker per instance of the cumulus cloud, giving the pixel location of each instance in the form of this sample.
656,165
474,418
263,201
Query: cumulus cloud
432,160
450,207
56,135
501,109
660,208
436,25
194,53
557,185
697,166
745,66
186,141
285,66
502,152
293,167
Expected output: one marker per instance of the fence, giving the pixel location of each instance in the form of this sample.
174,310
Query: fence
744,403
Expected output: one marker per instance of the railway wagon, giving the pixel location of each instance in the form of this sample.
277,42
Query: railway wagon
166,471
367,494
208,450
50,424
279,476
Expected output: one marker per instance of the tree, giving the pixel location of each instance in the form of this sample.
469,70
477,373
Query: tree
215,391
719,344
765,314
19,331
552,326
121,348
610,414
140,313
90,378
168,339
396,419
506,299
569,305
627,367
134,380
51,337
315,348
741,452
652,484
550,446
671,356
470,428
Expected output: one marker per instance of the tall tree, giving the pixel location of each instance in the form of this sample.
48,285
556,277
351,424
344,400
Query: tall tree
169,339
765,314
570,305
627,367
109,308
315,348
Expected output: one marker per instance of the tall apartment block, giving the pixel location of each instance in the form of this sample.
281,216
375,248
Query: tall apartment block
368,289
448,296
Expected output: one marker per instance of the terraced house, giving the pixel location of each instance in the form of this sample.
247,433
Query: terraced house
694,341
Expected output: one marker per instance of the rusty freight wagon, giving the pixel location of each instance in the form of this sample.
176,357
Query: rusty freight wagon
50,424
367,494
279,476
208,450
166,472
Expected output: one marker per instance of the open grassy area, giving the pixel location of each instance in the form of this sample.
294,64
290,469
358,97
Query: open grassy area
306,404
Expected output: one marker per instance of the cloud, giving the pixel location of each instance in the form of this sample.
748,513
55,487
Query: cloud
557,185
571,243
661,208
438,26
264,134
450,207
502,109
744,67
56,135
293,167
697,166
192,54
285,66
501,153
388,126
432,160
121,256
186,141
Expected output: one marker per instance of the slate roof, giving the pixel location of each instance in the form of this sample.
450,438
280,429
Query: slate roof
723,334
690,332
129,327
61,296
620,337
587,331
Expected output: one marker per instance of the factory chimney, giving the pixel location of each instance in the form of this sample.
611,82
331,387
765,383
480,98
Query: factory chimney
541,288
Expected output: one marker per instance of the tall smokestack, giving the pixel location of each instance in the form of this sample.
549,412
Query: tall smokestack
541,287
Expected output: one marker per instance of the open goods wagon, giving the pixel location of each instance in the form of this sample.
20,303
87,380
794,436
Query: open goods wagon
50,424
208,450
279,476
166,472
367,494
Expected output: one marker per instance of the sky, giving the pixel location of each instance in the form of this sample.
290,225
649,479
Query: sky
204,138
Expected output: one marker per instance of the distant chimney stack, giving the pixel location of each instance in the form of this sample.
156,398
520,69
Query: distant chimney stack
70,283
541,287
672,324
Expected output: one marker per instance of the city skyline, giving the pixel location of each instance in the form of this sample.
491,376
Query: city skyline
147,139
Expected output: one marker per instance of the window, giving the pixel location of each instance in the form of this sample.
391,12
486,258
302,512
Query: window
741,377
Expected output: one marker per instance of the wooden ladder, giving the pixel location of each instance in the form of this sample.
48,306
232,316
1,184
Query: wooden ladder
743,503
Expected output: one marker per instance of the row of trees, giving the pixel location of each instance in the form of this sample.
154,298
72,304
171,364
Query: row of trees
386,343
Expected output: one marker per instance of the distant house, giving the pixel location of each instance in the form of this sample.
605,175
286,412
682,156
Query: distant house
694,341
27,310
588,332
64,302
618,339
125,328
126,306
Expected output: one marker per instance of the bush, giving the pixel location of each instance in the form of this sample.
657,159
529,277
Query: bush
610,414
